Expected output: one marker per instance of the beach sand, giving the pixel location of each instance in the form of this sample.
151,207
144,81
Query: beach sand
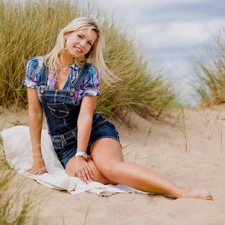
188,147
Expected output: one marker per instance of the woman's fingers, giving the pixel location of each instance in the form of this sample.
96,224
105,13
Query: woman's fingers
36,171
85,175
89,172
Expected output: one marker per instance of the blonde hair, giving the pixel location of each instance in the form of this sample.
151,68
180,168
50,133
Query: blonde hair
94,56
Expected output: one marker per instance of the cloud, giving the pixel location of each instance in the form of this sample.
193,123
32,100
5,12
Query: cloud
178,23
179,34
157,11
171,30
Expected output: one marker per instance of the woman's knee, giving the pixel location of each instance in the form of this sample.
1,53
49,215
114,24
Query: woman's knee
108,156
98,176
110,170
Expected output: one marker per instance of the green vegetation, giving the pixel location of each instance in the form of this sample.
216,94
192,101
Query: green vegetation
14,206
211,75
29,28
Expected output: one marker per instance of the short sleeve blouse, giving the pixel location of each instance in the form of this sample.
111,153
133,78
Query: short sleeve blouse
89,86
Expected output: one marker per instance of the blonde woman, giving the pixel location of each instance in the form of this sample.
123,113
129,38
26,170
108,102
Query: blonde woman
64,85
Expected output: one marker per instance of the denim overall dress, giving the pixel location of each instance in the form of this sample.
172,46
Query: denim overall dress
61,114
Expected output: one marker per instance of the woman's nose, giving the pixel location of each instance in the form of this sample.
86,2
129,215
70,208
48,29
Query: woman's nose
82,43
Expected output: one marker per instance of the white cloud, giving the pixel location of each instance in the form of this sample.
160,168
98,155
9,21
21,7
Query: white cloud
177,34
171,29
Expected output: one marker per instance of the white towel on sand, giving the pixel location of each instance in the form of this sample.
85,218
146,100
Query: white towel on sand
18,153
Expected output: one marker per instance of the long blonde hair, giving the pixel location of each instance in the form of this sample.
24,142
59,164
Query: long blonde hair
94,56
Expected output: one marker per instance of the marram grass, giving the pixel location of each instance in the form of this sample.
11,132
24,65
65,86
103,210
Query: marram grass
29,28
15,206
211,75
18,205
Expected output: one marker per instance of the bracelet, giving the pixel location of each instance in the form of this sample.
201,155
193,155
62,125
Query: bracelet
82,154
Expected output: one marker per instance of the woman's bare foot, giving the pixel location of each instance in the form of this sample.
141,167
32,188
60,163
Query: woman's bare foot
193,193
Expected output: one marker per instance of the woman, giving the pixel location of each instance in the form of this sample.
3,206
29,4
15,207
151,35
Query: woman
64,85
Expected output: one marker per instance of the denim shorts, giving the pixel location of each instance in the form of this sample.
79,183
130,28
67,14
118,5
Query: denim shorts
65,145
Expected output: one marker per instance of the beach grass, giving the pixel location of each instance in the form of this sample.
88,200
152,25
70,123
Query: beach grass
210,73
29,28
15,205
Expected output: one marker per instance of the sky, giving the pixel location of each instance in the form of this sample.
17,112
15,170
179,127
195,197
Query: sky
171,31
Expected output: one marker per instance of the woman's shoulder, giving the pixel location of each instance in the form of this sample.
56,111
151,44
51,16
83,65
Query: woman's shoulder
92,78
92,71
92,75
34,66
33,69
92,68
36,61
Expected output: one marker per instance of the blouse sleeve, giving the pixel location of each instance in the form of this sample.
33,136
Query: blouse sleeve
91,83
32,72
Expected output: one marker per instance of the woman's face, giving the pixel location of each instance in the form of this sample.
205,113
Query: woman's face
79,43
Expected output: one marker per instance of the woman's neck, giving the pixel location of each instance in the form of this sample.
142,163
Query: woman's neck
65,60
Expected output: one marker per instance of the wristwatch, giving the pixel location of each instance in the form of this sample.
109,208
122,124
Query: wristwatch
82,154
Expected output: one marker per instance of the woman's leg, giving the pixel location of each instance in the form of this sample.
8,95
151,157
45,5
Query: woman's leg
98,177
108,158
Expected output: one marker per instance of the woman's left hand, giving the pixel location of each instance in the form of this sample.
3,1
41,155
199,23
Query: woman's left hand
78,167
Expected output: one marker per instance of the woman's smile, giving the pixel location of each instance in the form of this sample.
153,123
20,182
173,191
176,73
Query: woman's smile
79,43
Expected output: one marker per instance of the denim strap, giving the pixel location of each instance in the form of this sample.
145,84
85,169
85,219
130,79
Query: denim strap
81,76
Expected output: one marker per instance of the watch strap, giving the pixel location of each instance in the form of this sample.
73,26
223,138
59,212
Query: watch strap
82,154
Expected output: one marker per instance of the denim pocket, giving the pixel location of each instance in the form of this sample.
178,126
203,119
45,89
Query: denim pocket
58,110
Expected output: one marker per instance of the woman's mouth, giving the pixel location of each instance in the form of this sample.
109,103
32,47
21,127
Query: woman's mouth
78,49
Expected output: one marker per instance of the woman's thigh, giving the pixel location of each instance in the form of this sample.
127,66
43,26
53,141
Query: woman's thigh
107,155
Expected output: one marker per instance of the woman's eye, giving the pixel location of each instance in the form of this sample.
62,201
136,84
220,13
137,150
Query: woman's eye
90,43
80,36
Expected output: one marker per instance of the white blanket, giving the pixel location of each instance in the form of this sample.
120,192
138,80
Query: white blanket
17,148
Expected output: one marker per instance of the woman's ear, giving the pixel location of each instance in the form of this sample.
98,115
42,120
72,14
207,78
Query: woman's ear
66,35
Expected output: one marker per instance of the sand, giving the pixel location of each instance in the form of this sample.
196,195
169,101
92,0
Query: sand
187,147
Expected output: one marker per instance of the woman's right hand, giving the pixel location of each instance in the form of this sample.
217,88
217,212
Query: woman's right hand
38,166
79,167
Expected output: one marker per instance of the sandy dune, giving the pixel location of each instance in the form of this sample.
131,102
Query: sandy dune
188,148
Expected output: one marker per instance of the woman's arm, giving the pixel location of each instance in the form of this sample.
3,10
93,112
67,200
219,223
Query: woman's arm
35,119
78,166
84,122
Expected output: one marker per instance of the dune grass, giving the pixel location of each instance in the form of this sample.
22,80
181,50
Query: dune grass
211,74
29,28
15,206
